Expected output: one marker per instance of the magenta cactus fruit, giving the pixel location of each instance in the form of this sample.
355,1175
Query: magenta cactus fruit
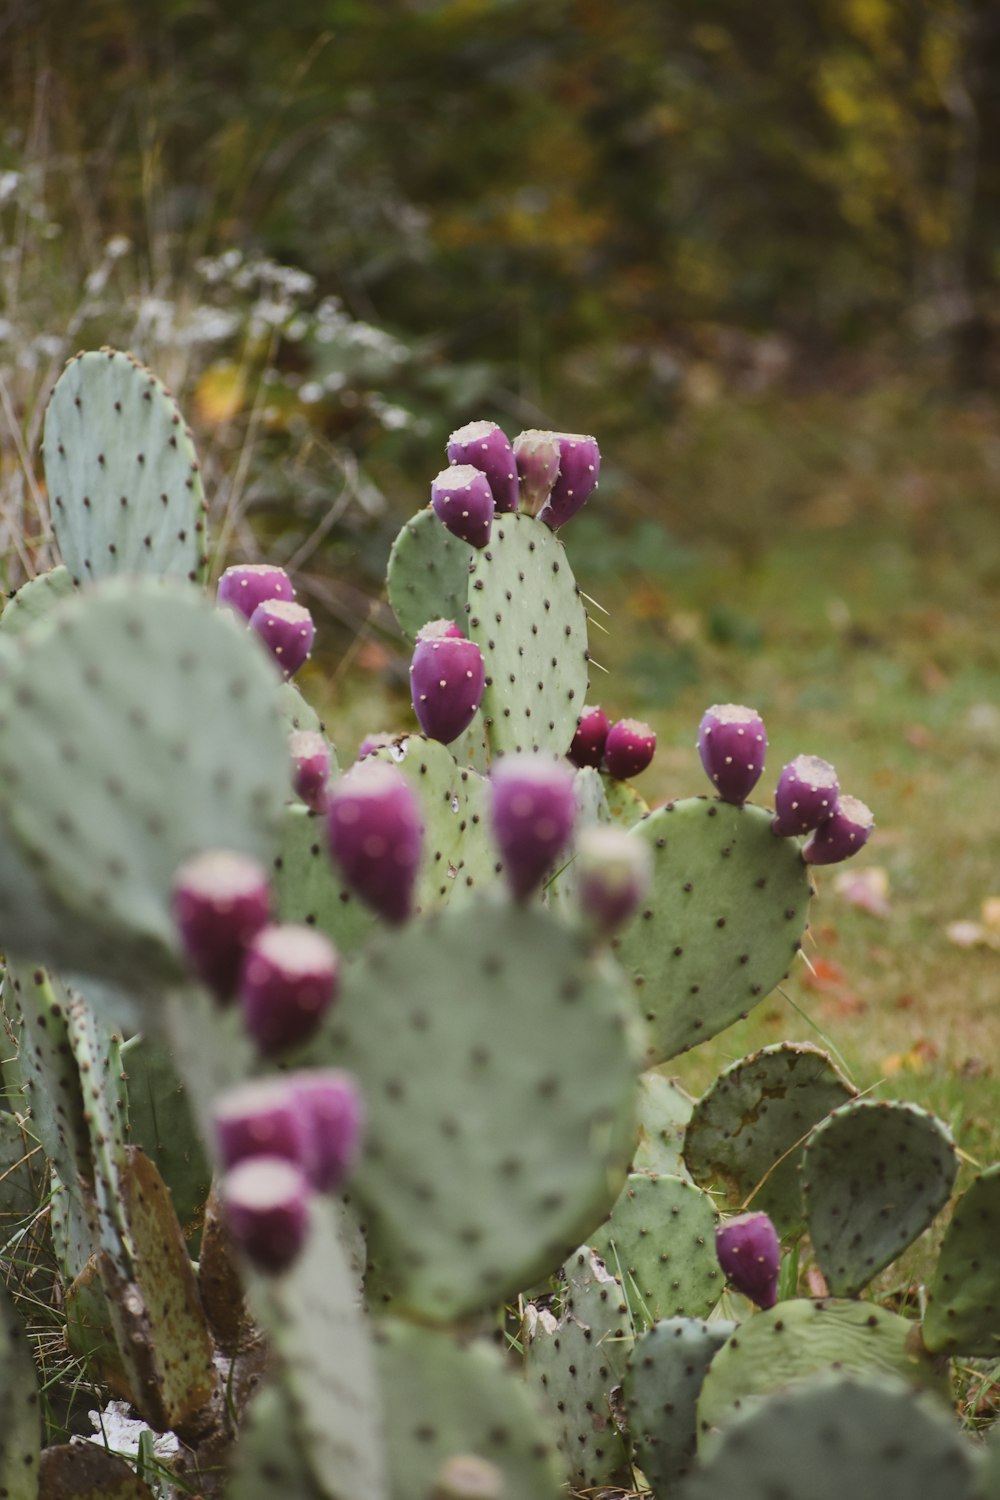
587,748
487,447
289,981
287,631
805,796
310,755
220,901
533,811
537,455
613,873
376,836
266,1208
579,468
732,743
842,834
447,677
628,749
246,585
750,1255
263,1118
463,500
332,1106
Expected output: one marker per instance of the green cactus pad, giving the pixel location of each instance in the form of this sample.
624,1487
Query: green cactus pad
161,1123
797,1340
83,1471
660,1239
874,1175
122,473
963,1299
23,1180
577,1361
49,1069
721,924
36,599
661,1388
474,1184
299,714
441,1400
428,574
625,805
308,889
20,1413
268,1459
107,787
839,1436
527,617
664,1110
747,1132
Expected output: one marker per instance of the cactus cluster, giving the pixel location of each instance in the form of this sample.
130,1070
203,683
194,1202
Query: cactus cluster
411,1018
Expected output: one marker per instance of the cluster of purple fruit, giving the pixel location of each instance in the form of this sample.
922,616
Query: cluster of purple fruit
264,596
545,474
623,749
732,743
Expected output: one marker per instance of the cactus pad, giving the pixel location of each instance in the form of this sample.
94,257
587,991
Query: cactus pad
963,1299
660,1239
35,599
527,617
874,1175
428,573
664,1110
122,473
747,1132
161,1123
20,1419
625,805
83,1471
721,924
471,1190
268,1458
661,1388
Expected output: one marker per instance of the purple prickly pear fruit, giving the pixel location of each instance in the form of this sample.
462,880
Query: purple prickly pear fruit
263,1118
220,901
533,809
613,873
246,585
289,981
628,749
732,743
750,1255
592,728
487,447
462,499
265,1202
537,455
842,834
376,837
447,677
331,1102
287,630
579,467
310,767
805,797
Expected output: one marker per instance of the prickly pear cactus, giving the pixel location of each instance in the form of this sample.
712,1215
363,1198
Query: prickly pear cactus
122,473
20,1421
748,1131
268,1458
874,1175
428,574
660,1239
664,1110
963,1299
661,1388
83,1471
161,1123
35,599
721,924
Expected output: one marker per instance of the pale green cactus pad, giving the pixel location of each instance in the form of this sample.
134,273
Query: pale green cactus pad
160,1121
268,1459
874,1175
122,473
748,1131
664,1110
428,574
20,1413
721,924
625,805
35,599
661,1388
963,1299
308,889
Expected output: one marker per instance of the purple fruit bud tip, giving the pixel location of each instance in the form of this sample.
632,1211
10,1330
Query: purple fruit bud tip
220,901
533,811
246,585
805,797
613,871
332,1104
266,1207
750,1255
447,677
376,837
732,743
373,742
310,756
287,630
628,749
463,501
846,831
579,469
289,981
485,446
538,456
261,1118
591,734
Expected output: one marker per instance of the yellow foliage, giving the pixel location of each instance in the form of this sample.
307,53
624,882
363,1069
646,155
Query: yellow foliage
220,394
